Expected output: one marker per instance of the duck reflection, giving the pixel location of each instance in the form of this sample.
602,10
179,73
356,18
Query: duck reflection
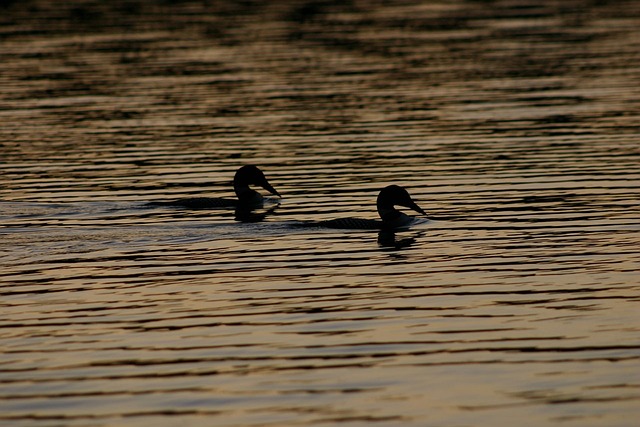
249,214
387,239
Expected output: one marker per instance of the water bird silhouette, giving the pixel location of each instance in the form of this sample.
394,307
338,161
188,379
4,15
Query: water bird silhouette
248,198
391,218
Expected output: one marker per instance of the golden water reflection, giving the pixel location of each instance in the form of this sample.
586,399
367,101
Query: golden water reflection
514,125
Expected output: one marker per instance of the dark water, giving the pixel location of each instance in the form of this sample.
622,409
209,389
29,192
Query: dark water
514,124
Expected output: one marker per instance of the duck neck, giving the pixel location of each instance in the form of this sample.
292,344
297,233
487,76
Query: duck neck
246,194
388,212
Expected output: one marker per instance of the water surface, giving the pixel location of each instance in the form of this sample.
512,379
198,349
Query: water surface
513,124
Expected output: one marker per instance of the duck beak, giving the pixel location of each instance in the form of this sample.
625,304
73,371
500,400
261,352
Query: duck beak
270,189
412,205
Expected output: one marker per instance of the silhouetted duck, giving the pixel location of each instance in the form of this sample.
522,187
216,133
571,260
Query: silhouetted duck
392,218
247,197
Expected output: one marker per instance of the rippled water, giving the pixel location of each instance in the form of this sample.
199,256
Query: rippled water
514,124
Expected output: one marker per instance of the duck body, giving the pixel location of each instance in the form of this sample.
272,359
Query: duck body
350,224
198,203
391,218
247,197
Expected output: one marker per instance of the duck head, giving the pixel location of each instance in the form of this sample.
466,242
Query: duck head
251,175
394,195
